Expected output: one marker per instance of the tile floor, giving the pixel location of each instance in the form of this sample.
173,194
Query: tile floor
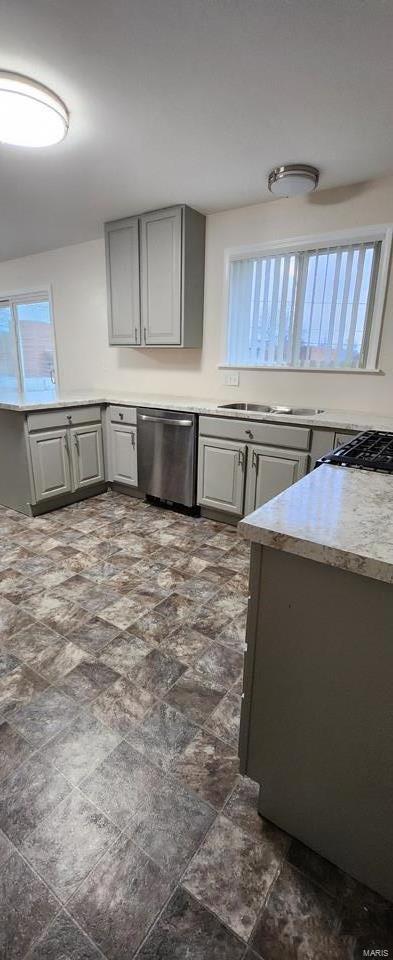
125,828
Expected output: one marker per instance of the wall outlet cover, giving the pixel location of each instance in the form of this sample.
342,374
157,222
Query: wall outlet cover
231,379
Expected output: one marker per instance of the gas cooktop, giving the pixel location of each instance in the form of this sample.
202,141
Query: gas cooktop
372,450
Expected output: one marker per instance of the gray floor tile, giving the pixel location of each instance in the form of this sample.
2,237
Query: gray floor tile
94,635
65,847
122,705
229,854
163,735
27,906
225,720
234,633
19,687
157,672
242,808
217,667
185,644
170,825
187,930
6,848
87,680
14,749
125,652
8,663
28,795
12,619
209,767
299,919
121,783
63,940
193,698
120,899
79,749
44,716
209,621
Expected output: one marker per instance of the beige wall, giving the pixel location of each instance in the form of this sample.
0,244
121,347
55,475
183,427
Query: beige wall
77,277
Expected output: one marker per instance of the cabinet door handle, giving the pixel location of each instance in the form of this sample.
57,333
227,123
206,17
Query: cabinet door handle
254,460
241,458
133,439
144,334
76,442
136,334
66,447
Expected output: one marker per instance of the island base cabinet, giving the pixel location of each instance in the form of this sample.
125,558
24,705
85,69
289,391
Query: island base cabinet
50,457
269,472
221,473
317,720
87,455
124,464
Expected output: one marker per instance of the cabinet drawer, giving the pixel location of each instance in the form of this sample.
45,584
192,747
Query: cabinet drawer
278,435
123,414
67,416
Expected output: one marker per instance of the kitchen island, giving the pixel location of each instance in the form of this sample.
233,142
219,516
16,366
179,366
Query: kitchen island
317,714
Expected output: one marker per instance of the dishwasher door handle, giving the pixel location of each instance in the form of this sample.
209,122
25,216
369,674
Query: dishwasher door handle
173,423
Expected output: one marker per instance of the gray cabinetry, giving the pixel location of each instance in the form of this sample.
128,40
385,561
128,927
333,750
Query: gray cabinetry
50,457
155,278
87,455
161,276
122,277
221,474
124,468
271,471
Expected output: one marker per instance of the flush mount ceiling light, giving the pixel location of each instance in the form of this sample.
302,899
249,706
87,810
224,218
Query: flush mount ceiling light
293,180
30,114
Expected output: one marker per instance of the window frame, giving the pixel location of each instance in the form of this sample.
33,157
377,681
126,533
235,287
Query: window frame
34,295
382,233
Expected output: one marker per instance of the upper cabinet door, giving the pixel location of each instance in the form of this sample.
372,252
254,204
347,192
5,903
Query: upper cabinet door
161,271
122,267
270,472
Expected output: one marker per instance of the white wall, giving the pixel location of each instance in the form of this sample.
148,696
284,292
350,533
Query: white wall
77,276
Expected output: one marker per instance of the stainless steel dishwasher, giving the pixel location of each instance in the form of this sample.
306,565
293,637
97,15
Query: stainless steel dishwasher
167,455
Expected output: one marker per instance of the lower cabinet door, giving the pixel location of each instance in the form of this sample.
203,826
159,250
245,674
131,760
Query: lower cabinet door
221,473
87,455
124,466
270,471
50,457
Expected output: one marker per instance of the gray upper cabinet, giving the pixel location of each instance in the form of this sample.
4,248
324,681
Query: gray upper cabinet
50,458
221,473
270,472
161,277
155,278
122,277
87,455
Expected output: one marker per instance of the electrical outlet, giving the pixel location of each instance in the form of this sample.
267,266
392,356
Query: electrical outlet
231,379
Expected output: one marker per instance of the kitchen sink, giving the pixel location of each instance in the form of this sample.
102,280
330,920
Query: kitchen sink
276,408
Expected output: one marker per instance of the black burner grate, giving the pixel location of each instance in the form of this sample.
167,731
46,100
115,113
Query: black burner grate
372,450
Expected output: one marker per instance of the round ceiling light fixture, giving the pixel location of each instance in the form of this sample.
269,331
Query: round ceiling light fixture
30,114
293,180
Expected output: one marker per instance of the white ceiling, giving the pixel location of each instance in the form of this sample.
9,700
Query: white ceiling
190,100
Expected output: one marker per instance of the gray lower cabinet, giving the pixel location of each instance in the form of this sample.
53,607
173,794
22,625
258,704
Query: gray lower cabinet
221,474
51,463
124,464
87,455
269,472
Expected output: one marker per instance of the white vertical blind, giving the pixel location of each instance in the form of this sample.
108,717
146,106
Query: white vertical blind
311,308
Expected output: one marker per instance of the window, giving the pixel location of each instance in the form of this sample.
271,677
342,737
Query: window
310,308
27,347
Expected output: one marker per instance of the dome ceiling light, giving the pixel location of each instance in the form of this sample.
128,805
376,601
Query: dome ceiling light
293,180
30,114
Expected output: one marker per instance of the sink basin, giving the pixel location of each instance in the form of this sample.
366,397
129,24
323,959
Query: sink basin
252,407
276,408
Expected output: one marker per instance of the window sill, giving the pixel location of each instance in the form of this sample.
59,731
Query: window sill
341,370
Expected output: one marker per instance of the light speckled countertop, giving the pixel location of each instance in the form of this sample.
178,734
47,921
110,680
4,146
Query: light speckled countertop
339,516
333,419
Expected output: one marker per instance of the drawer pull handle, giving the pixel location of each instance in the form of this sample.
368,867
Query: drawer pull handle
250,434
121,416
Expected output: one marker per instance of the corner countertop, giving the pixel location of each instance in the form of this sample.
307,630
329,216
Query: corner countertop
333,419
339,516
